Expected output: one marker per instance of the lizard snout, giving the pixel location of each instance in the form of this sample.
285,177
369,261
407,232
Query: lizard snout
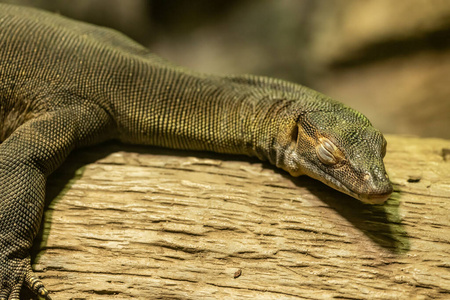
378,188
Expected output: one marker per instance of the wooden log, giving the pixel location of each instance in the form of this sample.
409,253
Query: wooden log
126,222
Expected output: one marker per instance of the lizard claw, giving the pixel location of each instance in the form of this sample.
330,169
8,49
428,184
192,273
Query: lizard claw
36,285
43,293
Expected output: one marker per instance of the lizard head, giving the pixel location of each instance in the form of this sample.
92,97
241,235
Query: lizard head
338,146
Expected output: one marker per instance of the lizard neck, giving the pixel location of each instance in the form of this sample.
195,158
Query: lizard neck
201,112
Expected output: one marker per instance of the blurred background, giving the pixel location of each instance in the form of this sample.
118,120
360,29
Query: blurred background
388,59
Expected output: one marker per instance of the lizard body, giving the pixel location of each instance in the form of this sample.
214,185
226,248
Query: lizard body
65,84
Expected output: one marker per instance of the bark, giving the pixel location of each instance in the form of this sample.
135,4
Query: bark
127,222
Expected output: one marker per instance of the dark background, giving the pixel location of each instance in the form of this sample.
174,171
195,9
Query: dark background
388,59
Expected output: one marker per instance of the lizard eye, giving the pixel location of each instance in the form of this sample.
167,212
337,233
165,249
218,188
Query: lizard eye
327,152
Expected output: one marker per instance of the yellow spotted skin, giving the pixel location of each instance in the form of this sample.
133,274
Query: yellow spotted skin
66,84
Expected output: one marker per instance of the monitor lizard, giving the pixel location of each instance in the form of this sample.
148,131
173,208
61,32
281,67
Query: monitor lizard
65,84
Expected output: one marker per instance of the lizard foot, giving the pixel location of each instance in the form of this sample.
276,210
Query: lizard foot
14,273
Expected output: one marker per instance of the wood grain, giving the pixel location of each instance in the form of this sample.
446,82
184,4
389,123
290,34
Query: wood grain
127,222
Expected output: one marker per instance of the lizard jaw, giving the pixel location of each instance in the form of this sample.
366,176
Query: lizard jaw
369,198
372,198
375,198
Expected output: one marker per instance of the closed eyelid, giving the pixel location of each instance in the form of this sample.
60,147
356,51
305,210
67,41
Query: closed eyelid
328,153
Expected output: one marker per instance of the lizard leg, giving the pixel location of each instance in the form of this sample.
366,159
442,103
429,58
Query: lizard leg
21,207
27,157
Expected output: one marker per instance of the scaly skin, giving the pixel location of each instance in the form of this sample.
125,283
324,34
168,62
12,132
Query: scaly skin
65,84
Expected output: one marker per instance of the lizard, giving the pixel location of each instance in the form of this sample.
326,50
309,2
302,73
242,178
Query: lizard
66,84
